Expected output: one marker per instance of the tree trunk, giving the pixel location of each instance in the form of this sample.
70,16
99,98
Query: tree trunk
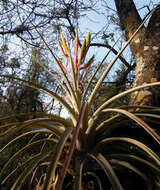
145,48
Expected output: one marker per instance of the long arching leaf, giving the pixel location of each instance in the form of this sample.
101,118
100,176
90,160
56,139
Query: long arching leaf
52,167
32,163
35,158
105,165
39,114
48,123
21,151
151,155
152,169
120,95
108,102
23,135
47,91
56,78
138,121
78,174
134,169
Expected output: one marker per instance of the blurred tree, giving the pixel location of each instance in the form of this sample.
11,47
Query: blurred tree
16,97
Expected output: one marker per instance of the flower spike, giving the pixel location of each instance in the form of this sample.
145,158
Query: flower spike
64,44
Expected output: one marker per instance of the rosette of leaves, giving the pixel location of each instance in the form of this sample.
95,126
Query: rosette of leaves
89,150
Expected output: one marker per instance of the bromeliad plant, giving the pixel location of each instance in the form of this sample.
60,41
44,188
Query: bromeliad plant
90,149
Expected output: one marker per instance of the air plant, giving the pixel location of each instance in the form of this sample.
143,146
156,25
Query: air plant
86,142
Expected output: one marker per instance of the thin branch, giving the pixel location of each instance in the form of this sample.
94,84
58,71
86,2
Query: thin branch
113,50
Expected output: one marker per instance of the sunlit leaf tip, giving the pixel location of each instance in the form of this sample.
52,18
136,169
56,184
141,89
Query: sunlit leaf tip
61,65
88,63
82,53
64,44
62,50
88,39
76,46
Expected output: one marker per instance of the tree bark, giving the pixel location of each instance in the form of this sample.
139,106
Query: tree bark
145,48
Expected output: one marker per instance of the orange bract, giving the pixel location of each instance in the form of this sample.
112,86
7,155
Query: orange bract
64,44
60,47
76,47
61,65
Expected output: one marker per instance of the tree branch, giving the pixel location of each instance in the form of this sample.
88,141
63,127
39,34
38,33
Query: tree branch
114,51
17,30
